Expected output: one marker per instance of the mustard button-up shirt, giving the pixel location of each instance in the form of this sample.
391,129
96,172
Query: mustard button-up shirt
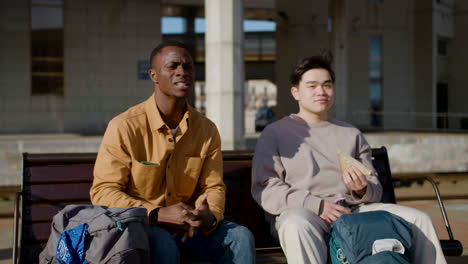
141,164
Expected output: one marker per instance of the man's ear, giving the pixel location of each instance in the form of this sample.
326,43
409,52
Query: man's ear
295,92
152,74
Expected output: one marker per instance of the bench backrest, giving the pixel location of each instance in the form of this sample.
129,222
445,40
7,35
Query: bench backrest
51,181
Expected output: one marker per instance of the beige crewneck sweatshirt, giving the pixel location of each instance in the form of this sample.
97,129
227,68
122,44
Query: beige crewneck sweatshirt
296,165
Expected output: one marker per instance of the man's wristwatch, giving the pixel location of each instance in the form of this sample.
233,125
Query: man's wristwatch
214,223
153,216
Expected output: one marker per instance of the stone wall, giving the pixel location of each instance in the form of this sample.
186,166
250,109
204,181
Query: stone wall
104,42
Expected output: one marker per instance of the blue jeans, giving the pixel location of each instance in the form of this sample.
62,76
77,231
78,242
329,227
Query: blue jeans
228,243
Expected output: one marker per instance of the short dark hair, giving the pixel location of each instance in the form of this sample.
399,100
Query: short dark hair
322,61
164,44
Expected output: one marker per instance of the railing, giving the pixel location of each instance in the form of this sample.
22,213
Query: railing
406,120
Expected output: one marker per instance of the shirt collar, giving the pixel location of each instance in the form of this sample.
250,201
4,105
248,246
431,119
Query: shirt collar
155,120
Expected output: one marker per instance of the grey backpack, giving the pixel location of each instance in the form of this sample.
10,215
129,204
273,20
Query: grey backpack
97,234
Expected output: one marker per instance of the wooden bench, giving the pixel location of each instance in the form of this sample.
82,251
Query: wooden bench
51,181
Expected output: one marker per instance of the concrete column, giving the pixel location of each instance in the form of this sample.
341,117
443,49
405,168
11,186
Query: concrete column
398,67
340,27
189,13
424,61
458,55
301,31
225,70
15,66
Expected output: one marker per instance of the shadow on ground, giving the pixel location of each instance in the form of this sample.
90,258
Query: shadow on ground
457,260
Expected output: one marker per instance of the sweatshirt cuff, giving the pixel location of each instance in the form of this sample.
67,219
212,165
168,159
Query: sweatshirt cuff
312,203
367,197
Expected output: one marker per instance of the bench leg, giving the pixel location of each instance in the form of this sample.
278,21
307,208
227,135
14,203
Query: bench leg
16,226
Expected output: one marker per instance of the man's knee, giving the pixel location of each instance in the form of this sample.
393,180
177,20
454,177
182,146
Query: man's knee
299,220
421,219
161,243
411,215
415,216
244,236
422,216
238,234
237,241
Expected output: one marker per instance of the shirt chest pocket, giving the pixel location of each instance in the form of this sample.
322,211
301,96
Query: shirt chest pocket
189,180
146,178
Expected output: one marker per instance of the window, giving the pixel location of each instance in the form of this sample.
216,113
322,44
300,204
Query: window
249,25
173,25
375,74
442,47
47,47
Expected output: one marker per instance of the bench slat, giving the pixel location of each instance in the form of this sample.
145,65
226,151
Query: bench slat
36,233
31,160
60,174
57,192
45,212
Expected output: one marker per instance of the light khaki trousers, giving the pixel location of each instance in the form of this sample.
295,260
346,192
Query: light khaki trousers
302,234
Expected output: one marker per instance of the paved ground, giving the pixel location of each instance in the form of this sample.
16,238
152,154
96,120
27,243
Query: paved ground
456,209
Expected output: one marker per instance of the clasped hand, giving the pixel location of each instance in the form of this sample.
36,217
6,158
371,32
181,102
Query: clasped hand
356,182
183,219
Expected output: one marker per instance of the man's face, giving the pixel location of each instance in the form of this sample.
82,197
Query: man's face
173,72
315,93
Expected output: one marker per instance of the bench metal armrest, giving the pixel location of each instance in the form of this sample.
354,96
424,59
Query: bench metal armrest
441,206
16,227
451,247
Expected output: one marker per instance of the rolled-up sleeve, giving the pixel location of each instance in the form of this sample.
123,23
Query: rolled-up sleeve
211,176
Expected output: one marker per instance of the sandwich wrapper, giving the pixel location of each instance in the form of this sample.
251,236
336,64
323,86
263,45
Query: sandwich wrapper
347,161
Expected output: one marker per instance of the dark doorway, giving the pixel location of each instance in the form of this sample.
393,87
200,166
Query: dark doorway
442,105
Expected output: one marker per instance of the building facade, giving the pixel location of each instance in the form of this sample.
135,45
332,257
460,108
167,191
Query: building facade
400,64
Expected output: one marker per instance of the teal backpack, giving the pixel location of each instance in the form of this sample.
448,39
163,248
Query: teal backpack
352,237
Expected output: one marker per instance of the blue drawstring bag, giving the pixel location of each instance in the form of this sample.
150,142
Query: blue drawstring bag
71,245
